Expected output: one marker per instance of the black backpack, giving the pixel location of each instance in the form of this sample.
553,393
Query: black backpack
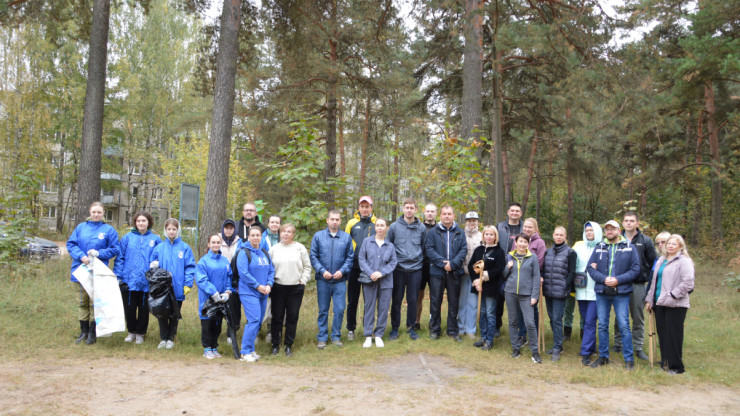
235,270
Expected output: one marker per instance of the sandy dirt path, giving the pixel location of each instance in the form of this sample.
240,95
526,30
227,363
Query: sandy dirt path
410,385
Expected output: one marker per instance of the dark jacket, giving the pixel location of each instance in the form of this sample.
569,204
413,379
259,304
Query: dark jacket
505,236
331,254
360,228
559,270
427,227
495,263
242,230
446,244
617,260
374,258
408,239
646,254
524,277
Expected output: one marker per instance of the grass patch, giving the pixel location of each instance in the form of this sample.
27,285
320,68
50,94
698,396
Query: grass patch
39,319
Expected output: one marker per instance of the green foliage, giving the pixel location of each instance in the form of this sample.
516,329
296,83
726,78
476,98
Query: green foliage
732,280
16,218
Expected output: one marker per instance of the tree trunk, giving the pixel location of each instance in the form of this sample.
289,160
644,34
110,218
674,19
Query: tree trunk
472,71
569,172
219,152
715,162
697,203
505,173
530,171
340,133
60,184
396,170
365,138
92,122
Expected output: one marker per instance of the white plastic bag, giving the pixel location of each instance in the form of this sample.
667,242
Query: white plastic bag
102,286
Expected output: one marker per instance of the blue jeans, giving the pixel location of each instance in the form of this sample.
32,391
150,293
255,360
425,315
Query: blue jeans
468,307
328,292
621,311
555,309
588,314
254,312
487,318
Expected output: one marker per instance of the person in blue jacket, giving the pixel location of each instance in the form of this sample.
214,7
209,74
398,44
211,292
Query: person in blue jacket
175,256
130,268
256,277
92,238
213,277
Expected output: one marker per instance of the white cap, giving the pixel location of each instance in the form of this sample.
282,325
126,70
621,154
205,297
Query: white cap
612,223
472,215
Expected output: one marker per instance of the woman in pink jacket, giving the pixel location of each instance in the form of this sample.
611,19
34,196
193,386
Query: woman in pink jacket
672,282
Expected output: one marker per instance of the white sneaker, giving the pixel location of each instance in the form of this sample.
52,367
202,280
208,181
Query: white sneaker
216,353
161,345
129,338
350,335
248,358
379,342
139,339
207,353
368,342
169,345
255,355
228,340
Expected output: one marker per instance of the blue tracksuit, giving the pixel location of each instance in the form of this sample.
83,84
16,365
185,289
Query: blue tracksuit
259,272
133,261
177,258
92,235
212,274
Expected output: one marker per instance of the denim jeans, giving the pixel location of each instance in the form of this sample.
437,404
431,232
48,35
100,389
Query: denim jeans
328,292
487,318
621,311
467,307
588,313
555,308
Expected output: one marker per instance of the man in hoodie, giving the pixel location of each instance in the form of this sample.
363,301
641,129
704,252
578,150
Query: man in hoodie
249,219
407,235
446,248
506,231
614,265
430,215
359,228
647,256
466,316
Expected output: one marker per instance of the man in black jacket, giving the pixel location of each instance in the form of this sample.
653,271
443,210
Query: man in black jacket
647,256
249,219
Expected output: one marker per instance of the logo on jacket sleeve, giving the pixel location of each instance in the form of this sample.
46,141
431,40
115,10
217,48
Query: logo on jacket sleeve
151,243
101,236
180,254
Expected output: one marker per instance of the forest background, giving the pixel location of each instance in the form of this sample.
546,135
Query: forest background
574,109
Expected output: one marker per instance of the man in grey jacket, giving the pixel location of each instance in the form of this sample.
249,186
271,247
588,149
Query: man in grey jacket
407,235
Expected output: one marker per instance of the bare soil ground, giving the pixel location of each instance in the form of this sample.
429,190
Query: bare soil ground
413,384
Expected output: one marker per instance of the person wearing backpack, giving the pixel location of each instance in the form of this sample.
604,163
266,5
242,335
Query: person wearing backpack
256,277
230,244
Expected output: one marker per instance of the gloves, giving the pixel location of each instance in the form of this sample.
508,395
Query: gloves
154,264
186,290
224,297
92,252
216,297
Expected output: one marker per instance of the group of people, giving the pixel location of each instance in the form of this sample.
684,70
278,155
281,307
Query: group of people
264,271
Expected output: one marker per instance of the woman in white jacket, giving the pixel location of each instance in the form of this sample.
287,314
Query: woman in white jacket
585,295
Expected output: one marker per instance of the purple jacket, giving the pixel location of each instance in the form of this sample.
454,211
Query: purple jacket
676,284
537,247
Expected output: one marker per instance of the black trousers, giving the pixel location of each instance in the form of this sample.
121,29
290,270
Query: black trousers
285,307
136,311
437,286
353,298
210,329
669,323
168,326
405,283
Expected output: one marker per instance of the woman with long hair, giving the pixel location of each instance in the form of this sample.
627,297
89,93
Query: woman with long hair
489,284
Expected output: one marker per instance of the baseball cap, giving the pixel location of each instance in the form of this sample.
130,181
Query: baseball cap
612,223
366,198
472,215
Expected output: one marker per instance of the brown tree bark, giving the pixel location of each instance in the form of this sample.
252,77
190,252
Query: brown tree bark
219,152
472,101
365,138
340,134
60,184
92,121
697,203
530,171
715,161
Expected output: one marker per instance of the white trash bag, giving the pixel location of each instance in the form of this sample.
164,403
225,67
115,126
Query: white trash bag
102,286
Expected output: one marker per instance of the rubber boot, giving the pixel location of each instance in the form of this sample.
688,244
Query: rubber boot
567,330
91,336
84,327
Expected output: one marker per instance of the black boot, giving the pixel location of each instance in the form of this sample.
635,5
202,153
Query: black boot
84,327
567,330
91,337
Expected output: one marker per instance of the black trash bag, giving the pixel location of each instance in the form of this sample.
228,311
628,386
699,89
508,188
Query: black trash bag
222,310
162,301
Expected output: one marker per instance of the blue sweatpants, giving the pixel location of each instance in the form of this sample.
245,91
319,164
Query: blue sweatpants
254,312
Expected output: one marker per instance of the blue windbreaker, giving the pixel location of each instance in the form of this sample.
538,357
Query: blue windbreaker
259,272
177,258
133,260
619,260
332,254
92,235
212,274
